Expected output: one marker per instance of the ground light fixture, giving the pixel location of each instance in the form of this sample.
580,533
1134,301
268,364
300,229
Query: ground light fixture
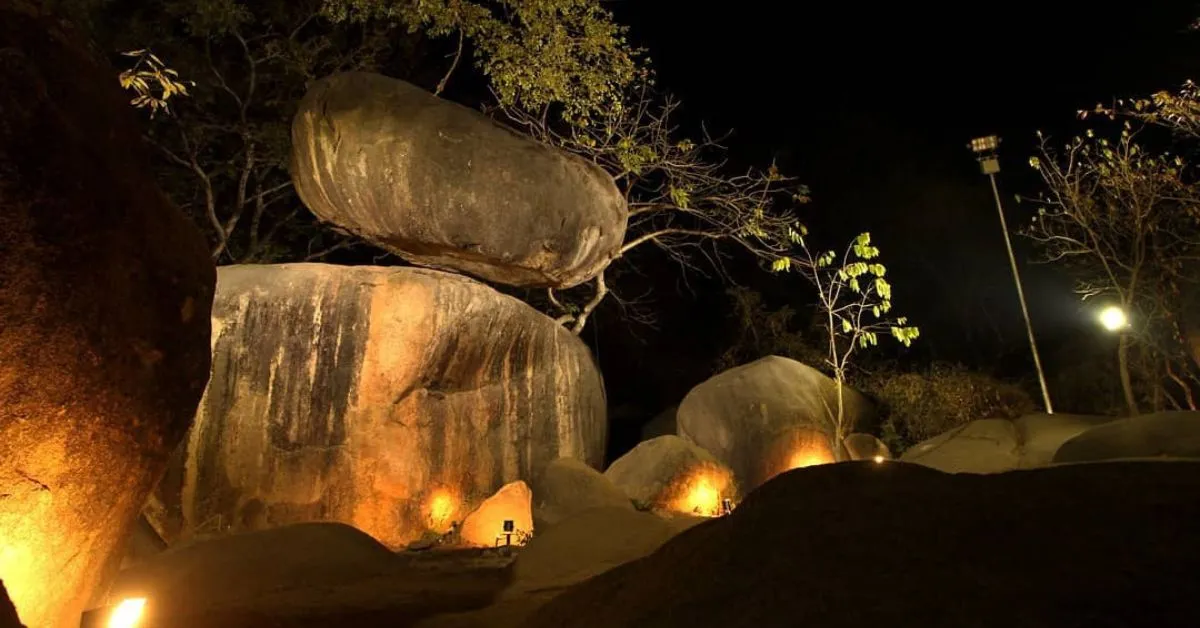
126,614
985,152
878,459
1113,318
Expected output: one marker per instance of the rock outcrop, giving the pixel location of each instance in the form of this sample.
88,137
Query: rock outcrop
998,445
766,417
1158,435
445,187
104,302
861,544
568,486
669,473
392,399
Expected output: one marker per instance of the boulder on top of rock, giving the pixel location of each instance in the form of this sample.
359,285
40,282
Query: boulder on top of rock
242,568
861,544
669,473
768,416
569,486
861,446
984,446
484,526
586,544
446,187
104,328
1158,435
392,399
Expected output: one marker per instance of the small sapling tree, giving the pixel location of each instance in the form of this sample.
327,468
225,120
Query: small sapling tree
854,303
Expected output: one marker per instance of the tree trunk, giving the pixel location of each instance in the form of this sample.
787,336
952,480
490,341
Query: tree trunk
1123,367
839,430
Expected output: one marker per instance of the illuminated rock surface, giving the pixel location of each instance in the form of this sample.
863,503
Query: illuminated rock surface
670,473
767,416
484,527
104,327
392,399
568,486
860,544
443,186
865,447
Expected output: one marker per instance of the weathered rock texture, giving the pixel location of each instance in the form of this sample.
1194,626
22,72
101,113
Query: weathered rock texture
104,300
861,544
1158,435
444,186
359,394
567,487
998,445
669,473
767,416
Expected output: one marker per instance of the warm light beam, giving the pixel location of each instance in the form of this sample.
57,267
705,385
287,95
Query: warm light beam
127,614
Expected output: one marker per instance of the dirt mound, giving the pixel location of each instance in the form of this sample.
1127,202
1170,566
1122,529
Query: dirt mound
242,568
862,544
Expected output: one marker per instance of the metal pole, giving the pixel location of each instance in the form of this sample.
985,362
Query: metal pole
1012,260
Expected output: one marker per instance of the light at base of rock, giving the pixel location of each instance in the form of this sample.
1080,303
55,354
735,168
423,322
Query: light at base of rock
441,507
505,518
702,492
127,614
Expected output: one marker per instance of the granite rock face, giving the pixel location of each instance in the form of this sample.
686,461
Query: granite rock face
392,399
445,187
104,319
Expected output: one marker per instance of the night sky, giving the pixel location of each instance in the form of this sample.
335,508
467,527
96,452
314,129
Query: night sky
872,108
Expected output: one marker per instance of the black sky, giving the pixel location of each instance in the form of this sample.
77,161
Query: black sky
872,106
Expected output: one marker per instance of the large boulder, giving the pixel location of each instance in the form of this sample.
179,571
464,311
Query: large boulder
104,324
568,486
998,445
768,416
671,474
1160,435
392,399
862,544
446,187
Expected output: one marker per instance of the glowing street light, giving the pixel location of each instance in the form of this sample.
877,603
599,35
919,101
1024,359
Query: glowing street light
1113,318
985,151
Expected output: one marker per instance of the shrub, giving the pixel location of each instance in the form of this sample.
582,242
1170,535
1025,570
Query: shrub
918,406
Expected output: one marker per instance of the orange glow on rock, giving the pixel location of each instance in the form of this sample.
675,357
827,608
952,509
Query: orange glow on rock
484,527
809,458
701,491
440,510
796,449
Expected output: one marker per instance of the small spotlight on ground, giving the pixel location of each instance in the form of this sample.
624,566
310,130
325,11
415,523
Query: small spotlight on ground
127,614
1113,318
878,459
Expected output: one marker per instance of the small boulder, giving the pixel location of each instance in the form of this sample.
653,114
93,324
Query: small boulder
669,473
861,446
485,525
569,486
985,446
588,544
768,416
1159,435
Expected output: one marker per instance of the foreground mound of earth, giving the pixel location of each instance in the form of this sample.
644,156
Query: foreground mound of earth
861,544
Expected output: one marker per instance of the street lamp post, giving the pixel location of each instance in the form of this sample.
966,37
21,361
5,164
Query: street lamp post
985,151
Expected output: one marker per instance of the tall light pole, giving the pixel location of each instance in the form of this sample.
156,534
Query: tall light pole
985,151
